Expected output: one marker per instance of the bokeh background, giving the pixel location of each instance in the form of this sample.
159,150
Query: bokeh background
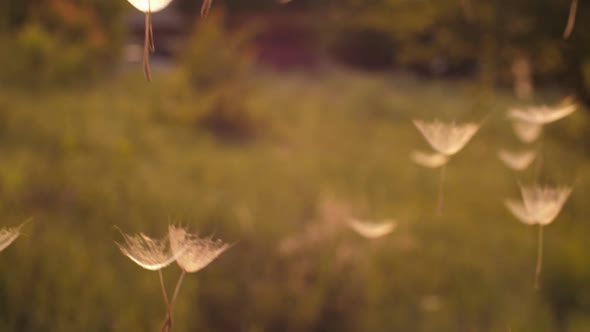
269,125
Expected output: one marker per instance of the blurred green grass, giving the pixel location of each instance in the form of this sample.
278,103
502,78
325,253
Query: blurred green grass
327,145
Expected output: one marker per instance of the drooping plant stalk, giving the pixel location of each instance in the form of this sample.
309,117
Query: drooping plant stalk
539,258
167,326
176,289
168,321
571,20
539,158
163,289
148,43
440,203
206,7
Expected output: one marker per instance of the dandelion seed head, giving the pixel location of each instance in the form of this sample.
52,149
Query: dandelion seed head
541,115
527,132
517,160
151,254
195,253
8,235
372,230
544,203
429,159
150,5
447,138
518,209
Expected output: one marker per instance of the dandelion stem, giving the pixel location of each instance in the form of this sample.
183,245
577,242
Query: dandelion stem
571,20
539,160
441,191
167,326
205,7
539,258
177,288
163,289
146,54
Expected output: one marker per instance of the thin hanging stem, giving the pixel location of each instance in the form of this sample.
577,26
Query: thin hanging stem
163,289
539,159
439,208
167,326
571,20
177,288
168,321
206,7
539,258
146,48
152,46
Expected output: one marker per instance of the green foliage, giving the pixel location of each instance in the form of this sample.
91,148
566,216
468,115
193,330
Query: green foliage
464,34
59,42
80,163
216,57
218,64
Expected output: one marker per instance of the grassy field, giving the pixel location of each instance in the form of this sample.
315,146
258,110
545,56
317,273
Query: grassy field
276,168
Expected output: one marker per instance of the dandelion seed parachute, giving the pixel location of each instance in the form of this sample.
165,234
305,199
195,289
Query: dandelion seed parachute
518,209
372,230
527,132
151,254
517,160
447,138
543,203
541,115
429,159
152,6
194,253
8,235
540,205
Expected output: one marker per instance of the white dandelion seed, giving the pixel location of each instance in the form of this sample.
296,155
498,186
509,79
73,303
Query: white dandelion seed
527,132
447,139
429,159
540,205
517,160
154,255
541,115
518,209
151,254
9,235
544,203
148,7
193,253
153,6
372,230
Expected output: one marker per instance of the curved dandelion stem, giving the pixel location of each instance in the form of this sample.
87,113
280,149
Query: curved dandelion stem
539,160
148,43
206,7
571,20
539,257
163,289
167,326
177,288
440,203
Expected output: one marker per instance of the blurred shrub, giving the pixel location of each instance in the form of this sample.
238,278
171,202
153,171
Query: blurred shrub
215,55
218,64
59,41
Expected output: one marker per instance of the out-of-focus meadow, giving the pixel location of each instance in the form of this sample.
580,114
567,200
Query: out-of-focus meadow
270,126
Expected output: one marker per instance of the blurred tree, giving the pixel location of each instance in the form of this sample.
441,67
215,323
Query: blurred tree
455,35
